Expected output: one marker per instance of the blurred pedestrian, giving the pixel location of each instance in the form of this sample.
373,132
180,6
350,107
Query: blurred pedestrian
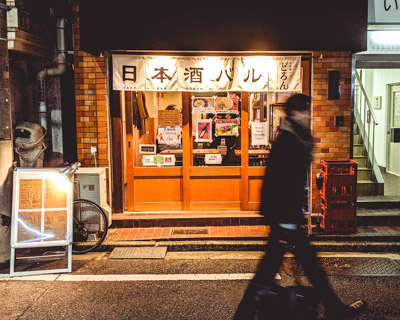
282,200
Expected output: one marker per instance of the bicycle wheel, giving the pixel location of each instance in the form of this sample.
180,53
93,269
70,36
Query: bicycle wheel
90,226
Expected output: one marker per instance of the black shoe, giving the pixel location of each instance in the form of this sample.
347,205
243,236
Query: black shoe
347,312
355,308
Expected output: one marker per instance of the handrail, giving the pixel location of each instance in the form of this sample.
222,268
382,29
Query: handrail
366,99
364,124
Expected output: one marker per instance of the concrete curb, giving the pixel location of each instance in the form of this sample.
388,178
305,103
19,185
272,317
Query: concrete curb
255,245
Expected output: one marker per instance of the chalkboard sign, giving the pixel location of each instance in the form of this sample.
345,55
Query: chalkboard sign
41,213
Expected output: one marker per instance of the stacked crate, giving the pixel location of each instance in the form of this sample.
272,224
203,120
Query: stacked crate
339,195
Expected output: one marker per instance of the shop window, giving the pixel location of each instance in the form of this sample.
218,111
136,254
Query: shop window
259,143
216,128
266,113
158,138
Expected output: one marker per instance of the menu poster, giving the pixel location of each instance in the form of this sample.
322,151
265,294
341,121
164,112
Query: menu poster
203,130
203,105
169,118
170,136
259,133
227,105
30,193
54,197
55,223
29,225
227,127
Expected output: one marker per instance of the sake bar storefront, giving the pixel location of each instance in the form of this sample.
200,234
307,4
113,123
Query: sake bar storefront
195,93
198,129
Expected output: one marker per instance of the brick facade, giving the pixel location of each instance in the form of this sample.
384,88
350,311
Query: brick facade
91,102
92,107
330,141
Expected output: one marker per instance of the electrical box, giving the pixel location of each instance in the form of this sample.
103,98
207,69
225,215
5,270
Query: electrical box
377,102
93,187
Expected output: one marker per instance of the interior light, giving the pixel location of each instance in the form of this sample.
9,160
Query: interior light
391,37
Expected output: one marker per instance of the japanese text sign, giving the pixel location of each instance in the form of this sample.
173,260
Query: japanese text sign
187,73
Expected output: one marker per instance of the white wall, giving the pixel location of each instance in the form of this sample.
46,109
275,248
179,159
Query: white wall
375,82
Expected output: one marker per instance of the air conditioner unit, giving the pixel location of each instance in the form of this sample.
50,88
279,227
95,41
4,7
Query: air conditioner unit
93,186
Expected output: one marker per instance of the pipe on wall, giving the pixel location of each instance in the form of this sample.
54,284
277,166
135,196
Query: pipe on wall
56,71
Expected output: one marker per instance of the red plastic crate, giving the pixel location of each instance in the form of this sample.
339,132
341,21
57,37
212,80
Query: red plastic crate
342,226
345,166
339,186
339,216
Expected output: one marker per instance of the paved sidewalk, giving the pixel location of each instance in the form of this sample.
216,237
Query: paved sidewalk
364,233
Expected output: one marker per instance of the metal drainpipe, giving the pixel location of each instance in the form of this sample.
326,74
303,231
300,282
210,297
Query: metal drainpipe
58,70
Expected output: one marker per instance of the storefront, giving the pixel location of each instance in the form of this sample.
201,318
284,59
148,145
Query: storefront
191,110
198,129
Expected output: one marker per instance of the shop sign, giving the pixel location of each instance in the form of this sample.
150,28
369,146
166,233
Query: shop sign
169,118
213,158
227,127
236,73
259,133
384,11
147,148
158,160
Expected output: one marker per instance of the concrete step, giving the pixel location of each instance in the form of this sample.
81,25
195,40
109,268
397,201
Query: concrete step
356,139
361,160
186,219
233,219
366,188
358,150
364,173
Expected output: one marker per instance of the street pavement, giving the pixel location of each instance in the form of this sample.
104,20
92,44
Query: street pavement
187,285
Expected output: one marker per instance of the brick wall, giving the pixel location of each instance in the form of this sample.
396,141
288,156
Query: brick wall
330,141
91,102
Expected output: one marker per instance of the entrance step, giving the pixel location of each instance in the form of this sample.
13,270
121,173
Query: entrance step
364,173
368,188
362,161
358,149
186,219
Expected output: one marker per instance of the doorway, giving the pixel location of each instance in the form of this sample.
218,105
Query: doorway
393,148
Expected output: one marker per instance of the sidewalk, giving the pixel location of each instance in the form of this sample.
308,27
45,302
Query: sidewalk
256,232
378,230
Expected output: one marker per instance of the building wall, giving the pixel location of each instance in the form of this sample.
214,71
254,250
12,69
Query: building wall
91,102
376,83
330,141
92,111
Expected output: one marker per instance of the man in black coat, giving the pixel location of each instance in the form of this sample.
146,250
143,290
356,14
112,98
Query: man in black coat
282,200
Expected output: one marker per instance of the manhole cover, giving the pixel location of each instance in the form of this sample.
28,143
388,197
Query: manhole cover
348,266
139,253
189,231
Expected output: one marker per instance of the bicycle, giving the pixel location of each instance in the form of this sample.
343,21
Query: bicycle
90,224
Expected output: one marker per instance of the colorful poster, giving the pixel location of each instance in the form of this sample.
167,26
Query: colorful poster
170,137
227,127
227,105
203,105
203,130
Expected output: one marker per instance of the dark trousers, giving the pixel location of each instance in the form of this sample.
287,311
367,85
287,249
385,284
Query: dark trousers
280,241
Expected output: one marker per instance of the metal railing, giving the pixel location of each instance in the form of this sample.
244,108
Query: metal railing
366,122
